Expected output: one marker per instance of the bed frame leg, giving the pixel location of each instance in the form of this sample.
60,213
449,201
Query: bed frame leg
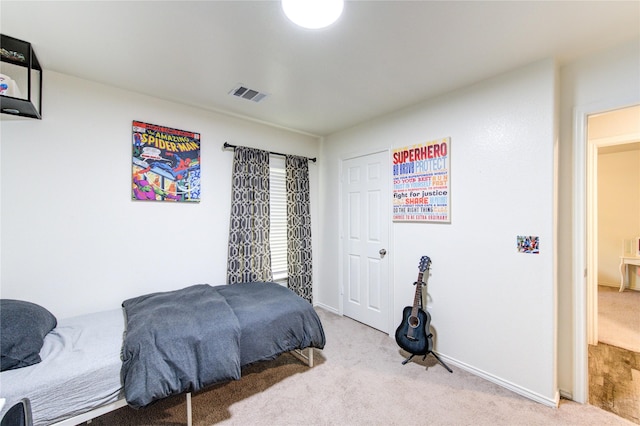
306,358
189,416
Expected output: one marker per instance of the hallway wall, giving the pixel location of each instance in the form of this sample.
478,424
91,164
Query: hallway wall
618,210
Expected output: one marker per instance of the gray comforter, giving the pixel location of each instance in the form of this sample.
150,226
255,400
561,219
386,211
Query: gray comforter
185,340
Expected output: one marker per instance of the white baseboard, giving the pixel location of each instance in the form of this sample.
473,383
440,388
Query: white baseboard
566,395
607,284
327,308
550,402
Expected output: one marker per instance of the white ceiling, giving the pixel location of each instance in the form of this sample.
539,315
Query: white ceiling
379,57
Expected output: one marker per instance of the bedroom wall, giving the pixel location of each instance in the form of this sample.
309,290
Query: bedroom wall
493,309
72,238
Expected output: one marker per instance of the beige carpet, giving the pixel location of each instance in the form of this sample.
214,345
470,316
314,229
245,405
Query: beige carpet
619,318
359,380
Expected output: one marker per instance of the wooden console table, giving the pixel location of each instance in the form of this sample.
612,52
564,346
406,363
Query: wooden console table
624,261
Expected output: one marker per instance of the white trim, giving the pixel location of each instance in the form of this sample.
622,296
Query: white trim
566,395
579,253
505,384
616,140
339,190
328,308
591,215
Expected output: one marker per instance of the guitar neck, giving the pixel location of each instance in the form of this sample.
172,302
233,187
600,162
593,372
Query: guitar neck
417,299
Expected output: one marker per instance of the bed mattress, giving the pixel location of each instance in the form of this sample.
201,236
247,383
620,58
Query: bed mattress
224,327
80,369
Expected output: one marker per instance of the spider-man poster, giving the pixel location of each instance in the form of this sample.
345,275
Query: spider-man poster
166,163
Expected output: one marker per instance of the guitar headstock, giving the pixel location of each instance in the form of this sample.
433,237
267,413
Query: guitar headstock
425,262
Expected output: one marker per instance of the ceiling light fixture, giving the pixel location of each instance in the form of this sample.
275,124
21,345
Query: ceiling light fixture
313,14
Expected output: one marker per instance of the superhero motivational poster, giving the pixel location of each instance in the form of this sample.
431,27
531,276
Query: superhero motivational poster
421,182
166,164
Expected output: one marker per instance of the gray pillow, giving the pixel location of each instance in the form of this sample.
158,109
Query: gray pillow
23,326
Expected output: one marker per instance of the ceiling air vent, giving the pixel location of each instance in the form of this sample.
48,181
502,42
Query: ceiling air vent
244,92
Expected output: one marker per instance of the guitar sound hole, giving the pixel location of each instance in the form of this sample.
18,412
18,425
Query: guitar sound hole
414,321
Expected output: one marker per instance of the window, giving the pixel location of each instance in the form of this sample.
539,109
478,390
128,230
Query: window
278,229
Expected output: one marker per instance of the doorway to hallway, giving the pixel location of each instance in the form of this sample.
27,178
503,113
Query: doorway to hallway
613,209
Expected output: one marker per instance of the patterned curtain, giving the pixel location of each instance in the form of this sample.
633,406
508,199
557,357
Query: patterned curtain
299,227
249,258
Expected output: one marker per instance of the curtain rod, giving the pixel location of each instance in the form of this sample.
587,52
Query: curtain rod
228,145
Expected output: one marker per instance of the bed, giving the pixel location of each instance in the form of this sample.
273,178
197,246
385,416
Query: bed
83,371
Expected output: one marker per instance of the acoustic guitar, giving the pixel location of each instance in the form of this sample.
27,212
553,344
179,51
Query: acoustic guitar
412,334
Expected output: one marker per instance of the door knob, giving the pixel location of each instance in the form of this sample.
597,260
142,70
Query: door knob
382,252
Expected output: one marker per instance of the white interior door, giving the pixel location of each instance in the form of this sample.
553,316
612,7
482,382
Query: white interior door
365,239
